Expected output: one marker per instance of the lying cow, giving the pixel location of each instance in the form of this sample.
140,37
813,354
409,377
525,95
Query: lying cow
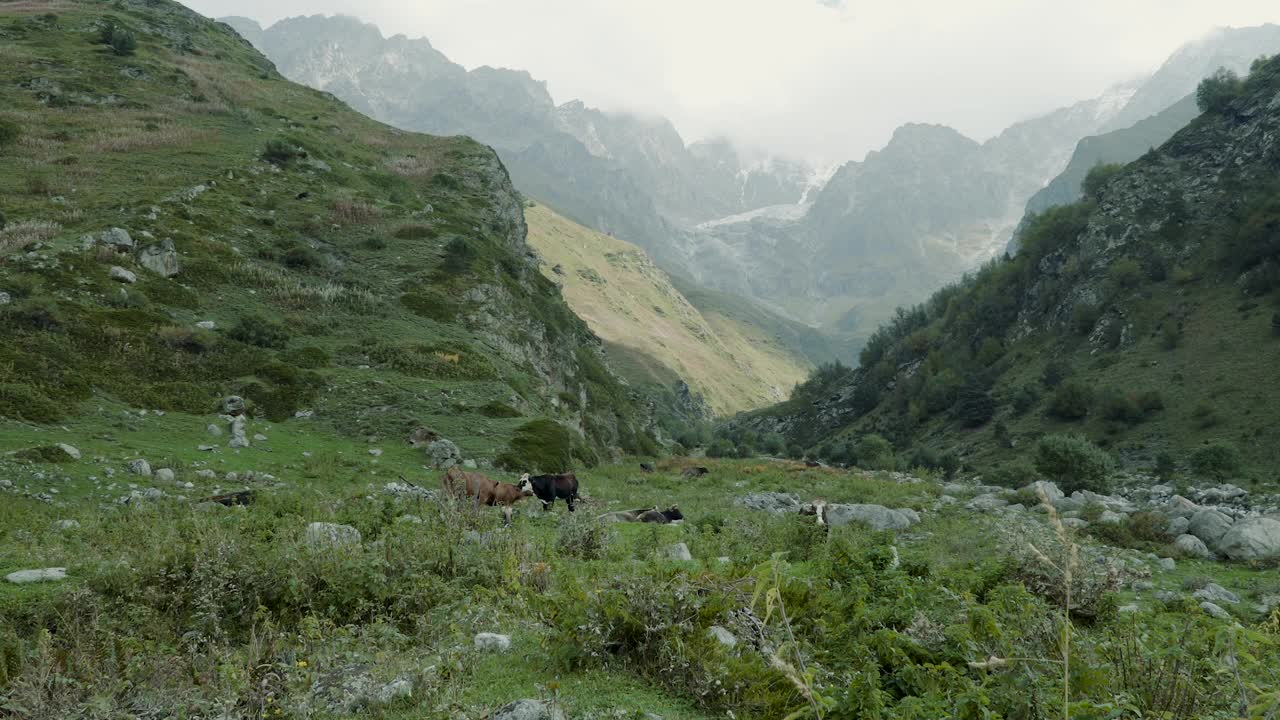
484,490
651,515
550,487
694,472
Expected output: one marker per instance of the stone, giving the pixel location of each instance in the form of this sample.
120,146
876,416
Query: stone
117,238
1178,506
470,464
1178,525
909,514
239,432
320,534
1043,487
206,474
444,454
876,517
774,502
679,551
140,467
119,274
1209,526
64,525
399,689
492,642
1255,538
161,259
5,298
214,430
529,710
1213,592
1110,518
986,501
164,475
259,437
376,452
207,325
723,636
1127,609
411,519
346,689
1075,522
71,452
1192,546
1215,611
232,405
23,577
1167,564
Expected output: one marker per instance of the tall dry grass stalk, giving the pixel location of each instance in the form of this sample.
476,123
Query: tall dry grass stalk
18,235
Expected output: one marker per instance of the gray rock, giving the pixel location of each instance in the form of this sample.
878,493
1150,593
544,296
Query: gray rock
986,501
723,636
470,464
161,259
399,689
1110,518
71,452
1048,489
1075,522
1178,525
5,298
239,432
529,710
232,405
1127,609
774,502
23,577
1167,564
345,690
207,325
1215,611
1255,538
444,454
375,452
910,514
679,551
64,525
876,517
492,642
214,430
119,274
164,475
140,467
206,474
259,437
1213,592
321,534
1209,526
411,519
117,238
1193,546
1178,506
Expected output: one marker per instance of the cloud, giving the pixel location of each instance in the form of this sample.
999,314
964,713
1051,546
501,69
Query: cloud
821,79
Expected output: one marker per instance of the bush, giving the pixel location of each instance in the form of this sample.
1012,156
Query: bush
1097,179
1055,372
21,402
1166,465
9,134
308,357
259,331
1013,475
721,448
123,42
773,444
495,409
302,258
1129,407
1025,398
583,537
1125,274
539,446
874,453
974,407
1071,401
1073,463
1218,90
281,152
458,257
1218,459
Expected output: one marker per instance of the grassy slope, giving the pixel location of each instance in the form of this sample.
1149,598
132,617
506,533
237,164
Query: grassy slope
345,250
654,333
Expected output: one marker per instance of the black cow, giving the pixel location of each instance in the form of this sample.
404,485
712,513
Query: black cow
694,472
548,488
646,467
670,515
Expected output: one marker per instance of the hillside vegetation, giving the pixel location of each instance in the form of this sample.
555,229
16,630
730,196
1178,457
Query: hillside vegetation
1144,317
184,224
653,333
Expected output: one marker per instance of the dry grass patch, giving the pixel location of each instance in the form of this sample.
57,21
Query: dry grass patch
412,166
140,138
18,235
355,212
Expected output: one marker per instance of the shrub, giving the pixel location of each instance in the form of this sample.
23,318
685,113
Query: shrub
496,409
9,134
308,357
1218,90
281,152
974,407
1025,398
773,444
22,402
584,537
1124,274
1097,179
1073,463
874,453
539,446
259,331
721,448
1166,465
1129,407
192,340
1218,459
1071,401
302,258
458,256
1085,317
1016,474
1055,372
123,42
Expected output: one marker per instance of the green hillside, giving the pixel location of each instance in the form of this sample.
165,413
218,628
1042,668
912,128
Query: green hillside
272,244
1145,317
736,358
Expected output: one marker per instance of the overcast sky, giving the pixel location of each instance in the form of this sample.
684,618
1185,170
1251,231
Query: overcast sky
819,79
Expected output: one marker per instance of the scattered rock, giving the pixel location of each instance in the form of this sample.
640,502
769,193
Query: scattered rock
1209,526
5,298
1251,539
1178,506
492,642
376,452
119,274
1127,609
346,689
206,475
164,475
117,238
470,464
395,690
161,259
421,436
723,636
23,577
1047,489
408,490
64,525
1193,546
877,517
444,454
239,432
259,437
1167,564
71,452
1213,592
1110,518
1178,525
1075,522
774,502
207,325
986,501
529,710
321,534
1215,611
140,467
679,551
233,405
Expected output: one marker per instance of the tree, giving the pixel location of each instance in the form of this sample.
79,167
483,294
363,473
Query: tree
975,406
1073,463
1219,460
1071,401
1217,91
1097,179
1166,465
874,453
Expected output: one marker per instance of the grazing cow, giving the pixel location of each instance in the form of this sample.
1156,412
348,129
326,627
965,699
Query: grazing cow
506,494
646,467
817,508
670,515
694,472
484,490
550,487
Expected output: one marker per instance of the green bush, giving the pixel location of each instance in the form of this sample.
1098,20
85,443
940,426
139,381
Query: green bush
281,152
974,407
1073,463
259,331
496,409
9,133
1055,372
1125,274
1071,401
874,453
1096,181
1218,459
1013,475
123,42
458,257
721,448
1217,91
302,258
1129,407
583,537
539,446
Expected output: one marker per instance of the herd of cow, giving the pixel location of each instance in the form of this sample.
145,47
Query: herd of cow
483,490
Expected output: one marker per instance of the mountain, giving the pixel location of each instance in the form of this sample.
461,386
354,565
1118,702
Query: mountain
621,173
655,335
185,224
1143,316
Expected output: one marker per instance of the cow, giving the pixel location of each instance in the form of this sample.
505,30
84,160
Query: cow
626,515
670,515
646,467
694,472
484,490
818,509
550,487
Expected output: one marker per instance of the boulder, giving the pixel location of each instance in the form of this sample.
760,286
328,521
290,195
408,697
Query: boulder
1075,523
71,452
1215,611
1192,546
239,432
321,534
206,474
119,274
723,636
909,514
1255,538
774,502
1178,525
1167,564
492,642
23,577
64,525
1110,518
117,238
1178,506
1209,526
679,551
140,467
164,475
876,517
444,454
1215,593
1043,487
161,259
529,710
986,501
232,405
5,298
207,325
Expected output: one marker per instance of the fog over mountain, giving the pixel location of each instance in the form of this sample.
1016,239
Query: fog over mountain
827,82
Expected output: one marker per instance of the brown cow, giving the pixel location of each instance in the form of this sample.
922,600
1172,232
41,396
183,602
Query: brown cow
484,490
